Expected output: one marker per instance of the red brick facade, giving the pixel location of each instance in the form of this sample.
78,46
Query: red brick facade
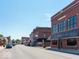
72,9
78,43
4,40
64,43
25,40
63,15
40,33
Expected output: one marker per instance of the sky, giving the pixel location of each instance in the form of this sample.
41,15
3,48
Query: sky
19,17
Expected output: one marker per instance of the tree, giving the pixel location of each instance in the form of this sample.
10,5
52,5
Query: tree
18,41
13,41
1,35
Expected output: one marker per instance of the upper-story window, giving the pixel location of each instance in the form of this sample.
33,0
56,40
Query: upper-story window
72,22
62,26
55,28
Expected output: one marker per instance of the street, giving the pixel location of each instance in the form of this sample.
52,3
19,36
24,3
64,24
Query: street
23,52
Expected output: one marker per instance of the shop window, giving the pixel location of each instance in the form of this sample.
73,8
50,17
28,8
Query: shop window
71,42
54,42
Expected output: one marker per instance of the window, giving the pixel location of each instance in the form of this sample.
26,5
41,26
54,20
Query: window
54,42
72,21
62,26
71,42
55,28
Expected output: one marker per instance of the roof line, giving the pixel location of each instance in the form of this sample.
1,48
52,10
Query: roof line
66,8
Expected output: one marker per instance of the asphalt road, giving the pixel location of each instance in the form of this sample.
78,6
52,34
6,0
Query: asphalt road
23,52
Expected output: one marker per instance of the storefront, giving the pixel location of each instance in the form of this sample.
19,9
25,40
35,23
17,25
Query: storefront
65,27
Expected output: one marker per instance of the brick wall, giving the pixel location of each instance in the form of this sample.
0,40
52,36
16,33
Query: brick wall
77,43
53,45
67,12
64,43
41,31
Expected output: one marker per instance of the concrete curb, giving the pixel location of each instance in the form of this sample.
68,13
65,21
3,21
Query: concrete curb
76,52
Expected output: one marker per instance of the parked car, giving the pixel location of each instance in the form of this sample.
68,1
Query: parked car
8,46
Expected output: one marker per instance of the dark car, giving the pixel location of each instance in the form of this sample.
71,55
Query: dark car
8,46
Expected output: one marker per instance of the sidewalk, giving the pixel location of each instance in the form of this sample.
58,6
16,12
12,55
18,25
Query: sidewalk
1,48
70,51
70,54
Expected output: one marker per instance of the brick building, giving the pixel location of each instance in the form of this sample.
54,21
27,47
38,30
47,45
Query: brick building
25,40
65,27
1,41
40,35
5,40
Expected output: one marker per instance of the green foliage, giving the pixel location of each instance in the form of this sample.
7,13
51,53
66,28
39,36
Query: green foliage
13,41
1,35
